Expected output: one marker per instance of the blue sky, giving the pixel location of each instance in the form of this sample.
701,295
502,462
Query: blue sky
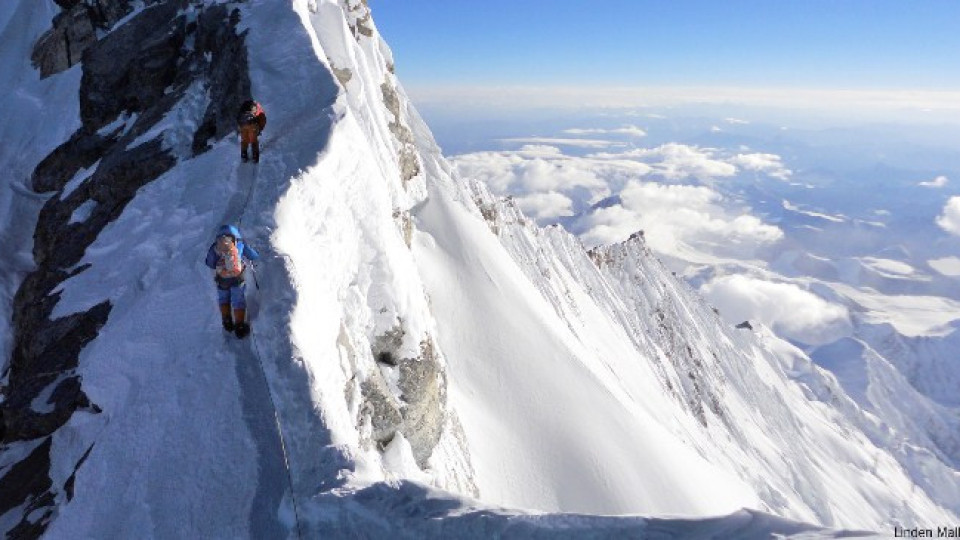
828,44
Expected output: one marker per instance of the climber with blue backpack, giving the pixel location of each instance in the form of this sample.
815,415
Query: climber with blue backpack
226,256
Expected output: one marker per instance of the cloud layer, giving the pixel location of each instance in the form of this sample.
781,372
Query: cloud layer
665,191
562,141
786,308
937,182
769,164
675,216
949,220
676,162
632,131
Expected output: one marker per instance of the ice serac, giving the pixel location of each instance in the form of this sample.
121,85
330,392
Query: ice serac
417,343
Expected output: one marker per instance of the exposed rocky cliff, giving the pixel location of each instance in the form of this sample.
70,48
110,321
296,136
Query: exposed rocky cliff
134,73
160,85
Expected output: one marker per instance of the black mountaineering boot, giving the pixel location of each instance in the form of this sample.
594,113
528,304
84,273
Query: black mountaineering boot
242,330
240,327
226,317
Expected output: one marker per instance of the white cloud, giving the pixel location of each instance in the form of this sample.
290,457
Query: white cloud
496,169
769,164
950,219
541,175
937,182
787,205
736,121
888,267
583,143
537,169
679,161
788,309
676,215
548,184
632,131
676,162
948,266
545,206
540,150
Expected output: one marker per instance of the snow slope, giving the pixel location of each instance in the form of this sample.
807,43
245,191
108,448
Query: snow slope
409,330
41,129
724,392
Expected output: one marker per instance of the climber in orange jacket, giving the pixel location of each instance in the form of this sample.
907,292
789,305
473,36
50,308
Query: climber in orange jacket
250,122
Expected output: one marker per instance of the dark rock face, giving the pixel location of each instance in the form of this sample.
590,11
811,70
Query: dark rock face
74,31
150,46
423,386
343,75
48,352
359,18
382,408
32,489
408,157
137,72
228,84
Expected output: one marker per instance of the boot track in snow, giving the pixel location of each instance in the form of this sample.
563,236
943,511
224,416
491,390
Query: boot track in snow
245,352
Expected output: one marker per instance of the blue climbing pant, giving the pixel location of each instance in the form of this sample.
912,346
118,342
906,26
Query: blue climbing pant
234,295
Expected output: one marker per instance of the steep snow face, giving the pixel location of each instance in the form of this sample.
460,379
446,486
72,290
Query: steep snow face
749,406
408,328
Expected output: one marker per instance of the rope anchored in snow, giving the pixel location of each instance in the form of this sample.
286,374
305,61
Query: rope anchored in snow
246,202
266,383
283,444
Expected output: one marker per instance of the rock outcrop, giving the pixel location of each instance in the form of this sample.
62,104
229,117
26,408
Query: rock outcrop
74,31
408,160
132,78
417,410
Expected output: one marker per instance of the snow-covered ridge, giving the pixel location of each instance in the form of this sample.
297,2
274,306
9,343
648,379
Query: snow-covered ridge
409,329
135,263
138,61
731,394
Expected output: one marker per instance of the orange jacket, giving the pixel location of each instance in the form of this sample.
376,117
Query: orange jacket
252,115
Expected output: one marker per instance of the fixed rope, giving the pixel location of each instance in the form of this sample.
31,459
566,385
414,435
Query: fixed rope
283,444
266,383
246,202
